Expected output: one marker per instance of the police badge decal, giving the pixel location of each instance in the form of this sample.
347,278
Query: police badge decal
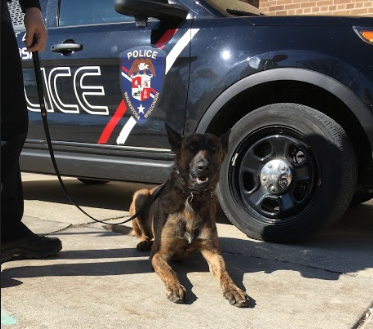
142,72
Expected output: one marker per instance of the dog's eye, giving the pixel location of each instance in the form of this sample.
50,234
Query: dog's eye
192,147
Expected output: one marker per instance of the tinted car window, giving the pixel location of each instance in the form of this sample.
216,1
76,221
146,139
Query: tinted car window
85,12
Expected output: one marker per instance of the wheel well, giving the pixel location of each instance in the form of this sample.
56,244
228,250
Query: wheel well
294,92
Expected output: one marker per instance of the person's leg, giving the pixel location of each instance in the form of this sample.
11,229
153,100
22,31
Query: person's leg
14,123
16,238
11,193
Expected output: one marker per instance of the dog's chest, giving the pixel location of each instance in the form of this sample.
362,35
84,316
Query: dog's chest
189,230
189,240
190,225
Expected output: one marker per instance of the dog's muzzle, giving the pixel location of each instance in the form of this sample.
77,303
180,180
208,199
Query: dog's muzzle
200,172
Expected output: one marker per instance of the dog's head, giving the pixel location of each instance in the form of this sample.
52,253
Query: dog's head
198,157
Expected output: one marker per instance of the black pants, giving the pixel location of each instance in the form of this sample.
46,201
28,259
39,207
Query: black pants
14,125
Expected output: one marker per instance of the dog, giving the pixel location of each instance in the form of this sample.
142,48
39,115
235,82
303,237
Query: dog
182,220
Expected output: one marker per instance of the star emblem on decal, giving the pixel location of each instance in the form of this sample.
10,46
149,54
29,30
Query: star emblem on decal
141,109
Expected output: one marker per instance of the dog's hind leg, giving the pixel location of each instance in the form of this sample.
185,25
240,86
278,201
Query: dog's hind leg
141,224
231,292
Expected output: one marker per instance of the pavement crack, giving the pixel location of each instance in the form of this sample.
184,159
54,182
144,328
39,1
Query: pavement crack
61,230
367,315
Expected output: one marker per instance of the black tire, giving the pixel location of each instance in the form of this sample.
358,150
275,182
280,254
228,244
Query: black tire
89,181
290,171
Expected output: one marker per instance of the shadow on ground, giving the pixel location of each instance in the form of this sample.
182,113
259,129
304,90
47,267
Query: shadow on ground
346,248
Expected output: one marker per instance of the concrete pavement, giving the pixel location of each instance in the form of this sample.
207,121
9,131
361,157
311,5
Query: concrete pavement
100,280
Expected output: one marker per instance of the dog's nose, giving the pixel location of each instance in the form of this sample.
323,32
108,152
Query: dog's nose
203,166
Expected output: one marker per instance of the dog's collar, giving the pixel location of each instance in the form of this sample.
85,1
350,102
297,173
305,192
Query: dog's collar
192,192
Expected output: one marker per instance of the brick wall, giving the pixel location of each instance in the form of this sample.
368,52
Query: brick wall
314,7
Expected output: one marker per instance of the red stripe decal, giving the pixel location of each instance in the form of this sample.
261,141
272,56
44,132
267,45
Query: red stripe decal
112,123
165,38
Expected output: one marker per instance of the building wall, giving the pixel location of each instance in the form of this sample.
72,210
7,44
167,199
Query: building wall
315,7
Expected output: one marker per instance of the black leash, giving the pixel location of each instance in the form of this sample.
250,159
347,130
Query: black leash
39,84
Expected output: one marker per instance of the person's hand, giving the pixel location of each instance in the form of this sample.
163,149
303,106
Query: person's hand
35,27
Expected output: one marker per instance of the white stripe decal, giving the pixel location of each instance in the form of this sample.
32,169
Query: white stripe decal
126,131
126,76
170,60
179,47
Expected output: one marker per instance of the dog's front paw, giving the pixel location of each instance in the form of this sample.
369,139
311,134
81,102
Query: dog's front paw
236,297
176,294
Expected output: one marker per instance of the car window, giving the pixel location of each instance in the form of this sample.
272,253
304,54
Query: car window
84,12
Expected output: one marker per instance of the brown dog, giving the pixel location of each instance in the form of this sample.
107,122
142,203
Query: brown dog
182,220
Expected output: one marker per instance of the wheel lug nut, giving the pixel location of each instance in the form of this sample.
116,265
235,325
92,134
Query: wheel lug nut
273,189
283,182
264,178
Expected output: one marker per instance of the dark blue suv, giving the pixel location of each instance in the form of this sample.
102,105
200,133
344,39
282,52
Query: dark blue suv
297,93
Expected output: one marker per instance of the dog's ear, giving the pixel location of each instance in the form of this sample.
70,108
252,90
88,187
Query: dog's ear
174,138
225,140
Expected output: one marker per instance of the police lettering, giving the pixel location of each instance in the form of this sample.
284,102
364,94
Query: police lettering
142,53
85,93
24,53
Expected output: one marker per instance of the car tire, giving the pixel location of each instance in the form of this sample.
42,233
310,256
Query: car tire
290,171
89,181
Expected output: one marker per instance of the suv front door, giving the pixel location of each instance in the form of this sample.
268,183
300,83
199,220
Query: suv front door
109,85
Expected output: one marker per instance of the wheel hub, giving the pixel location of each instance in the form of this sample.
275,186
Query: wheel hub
276,176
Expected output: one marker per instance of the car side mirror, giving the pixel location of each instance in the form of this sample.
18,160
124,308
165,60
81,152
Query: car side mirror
143,9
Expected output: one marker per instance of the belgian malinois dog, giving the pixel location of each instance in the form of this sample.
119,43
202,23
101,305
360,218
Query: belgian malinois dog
182,220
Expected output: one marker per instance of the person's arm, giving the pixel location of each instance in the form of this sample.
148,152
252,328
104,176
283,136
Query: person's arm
34,24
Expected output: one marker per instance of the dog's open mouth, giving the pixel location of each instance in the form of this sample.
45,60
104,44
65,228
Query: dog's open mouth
202,180
199,180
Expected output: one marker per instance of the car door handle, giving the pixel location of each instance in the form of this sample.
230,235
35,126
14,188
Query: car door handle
66,48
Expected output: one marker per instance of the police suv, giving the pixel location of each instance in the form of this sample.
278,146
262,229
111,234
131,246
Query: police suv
296,92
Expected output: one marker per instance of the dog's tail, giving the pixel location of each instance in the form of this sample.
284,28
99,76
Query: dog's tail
116,228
